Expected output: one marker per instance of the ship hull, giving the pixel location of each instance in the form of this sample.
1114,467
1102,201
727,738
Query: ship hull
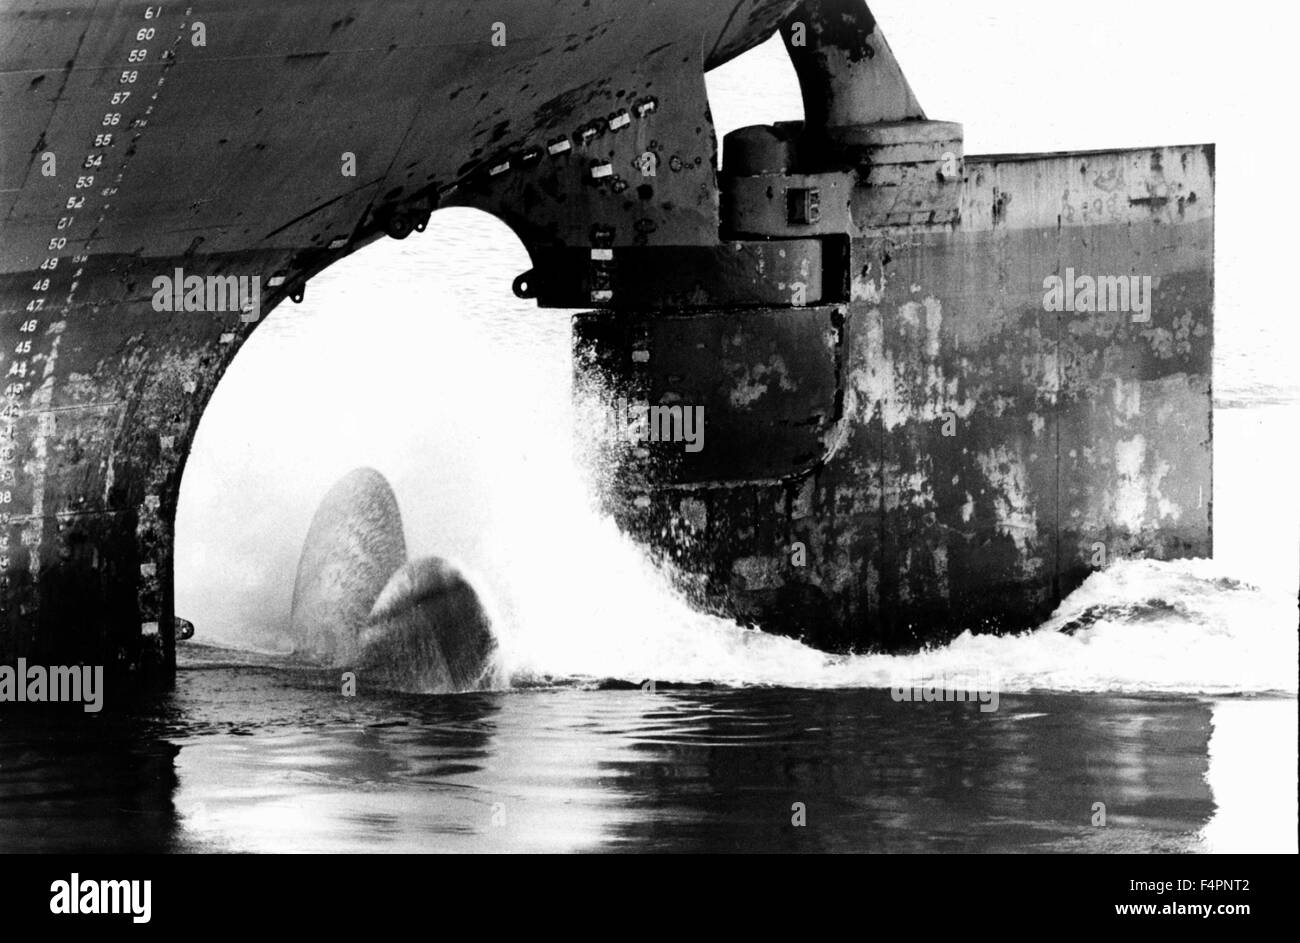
245,139
912,443
940,452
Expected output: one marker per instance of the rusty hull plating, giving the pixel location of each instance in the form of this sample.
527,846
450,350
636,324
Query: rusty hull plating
910,443
900,440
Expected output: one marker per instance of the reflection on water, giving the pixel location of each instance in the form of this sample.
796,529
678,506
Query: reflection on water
75,782
260,758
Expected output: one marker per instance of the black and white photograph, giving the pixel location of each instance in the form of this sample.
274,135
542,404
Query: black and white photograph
647,426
